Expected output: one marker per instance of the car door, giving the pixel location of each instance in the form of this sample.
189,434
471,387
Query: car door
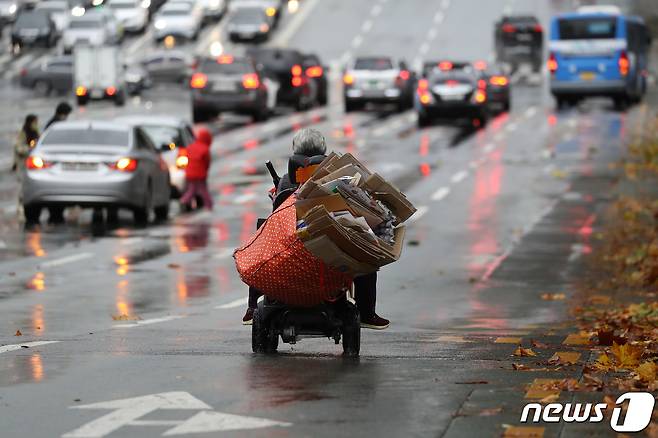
157,170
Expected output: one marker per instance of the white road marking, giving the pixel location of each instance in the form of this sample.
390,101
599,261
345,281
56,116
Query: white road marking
458,177
511,127
473,164
424,49
205,422
67,259
438,17
376,10
530,112
282,38
367,25
132,240
14,347
224,253
488,147
356,42
440,193
381,130
233,304
149,321
3,244
431,34
243,199
445,4
420,212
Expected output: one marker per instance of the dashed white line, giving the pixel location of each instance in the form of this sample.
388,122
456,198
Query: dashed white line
530,112
445,4
440,194
438,17
235,303
14,347
511,127
149,321
224,253
356,42
458,177
367,25
431,34
376,10
424,48
488,147
243,199
132,241
420,212
291,28
67,259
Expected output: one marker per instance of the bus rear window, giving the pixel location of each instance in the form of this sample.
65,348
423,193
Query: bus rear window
588,28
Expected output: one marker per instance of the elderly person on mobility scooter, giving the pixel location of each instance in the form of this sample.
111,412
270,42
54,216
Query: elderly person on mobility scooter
311,143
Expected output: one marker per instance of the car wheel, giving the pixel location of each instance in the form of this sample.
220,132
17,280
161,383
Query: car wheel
507,106
141,214
262,340
401,106
423,120
260,115
350,106
199,115
323,98
162,212
82,100
120,99
32,214
621,103
42,88
351,331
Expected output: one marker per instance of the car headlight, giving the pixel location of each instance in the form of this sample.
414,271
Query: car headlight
133,77
12,8
214,4
78,11
146,4
160,24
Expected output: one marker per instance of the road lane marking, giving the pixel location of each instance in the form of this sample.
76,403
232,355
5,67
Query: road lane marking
488,147
356,42
367,25
440,194
233,304
531,112
293,25
536,389
438,17
149,321
132,240
565,357
424,48
511,127
576,339
420,212
376,10
459,177
243,199
65,260
431,34
14,347
445,4
224,253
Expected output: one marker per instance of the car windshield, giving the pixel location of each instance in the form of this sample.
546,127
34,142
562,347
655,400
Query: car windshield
163,135
588,28
32,19
236,66
87,137
248,16
85,24
373,64
122,5
175,12
52,7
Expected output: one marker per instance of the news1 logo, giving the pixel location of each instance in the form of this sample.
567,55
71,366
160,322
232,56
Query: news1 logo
637,418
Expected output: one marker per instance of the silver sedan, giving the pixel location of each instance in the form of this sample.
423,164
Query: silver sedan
96,164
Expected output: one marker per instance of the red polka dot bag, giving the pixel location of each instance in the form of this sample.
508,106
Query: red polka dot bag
275,261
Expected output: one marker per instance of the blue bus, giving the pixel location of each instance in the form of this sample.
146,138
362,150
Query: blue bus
598,52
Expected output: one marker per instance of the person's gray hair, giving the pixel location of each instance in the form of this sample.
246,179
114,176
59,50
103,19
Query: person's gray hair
309,142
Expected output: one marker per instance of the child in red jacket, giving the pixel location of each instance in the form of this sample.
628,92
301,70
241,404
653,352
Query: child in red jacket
196,172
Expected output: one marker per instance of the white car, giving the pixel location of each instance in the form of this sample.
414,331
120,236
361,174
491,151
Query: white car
177,19
131,14
8,10
93,28
213,9
272,8
59,11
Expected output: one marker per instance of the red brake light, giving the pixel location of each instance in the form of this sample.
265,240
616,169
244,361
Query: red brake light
624,63
80,91
480,96
537,28
199,80
404,75
482,84
250,81
297,81
509,28
35,162
501,81
296,70
314,72
125,165
423,85
552,63
110,91
225,59
23,71
445,65
480,65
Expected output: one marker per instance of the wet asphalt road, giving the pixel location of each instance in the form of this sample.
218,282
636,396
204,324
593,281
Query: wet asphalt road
501,217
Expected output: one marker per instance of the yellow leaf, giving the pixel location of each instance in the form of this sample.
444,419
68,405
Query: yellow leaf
603,362
524,352
647,371
626,356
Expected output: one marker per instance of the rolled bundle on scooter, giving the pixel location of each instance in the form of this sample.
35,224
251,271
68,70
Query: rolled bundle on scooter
343,221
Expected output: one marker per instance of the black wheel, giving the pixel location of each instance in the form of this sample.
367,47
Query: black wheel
82,100
120,99
199,115
423,120
351,331
42,88
56,215
401,106
161,212
563,102
262,341
32,214
621,103
350,106
323,98
506,106
260,115
141,214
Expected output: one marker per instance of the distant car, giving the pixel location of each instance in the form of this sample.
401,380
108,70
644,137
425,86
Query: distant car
94,29
96,164
519,39
170,135
179,19
8,11
168,66
59,11
33,28
55,74
272,8
377,80
131,14
286,67
228,84
214,9
136,79
317,72
497,86
451,93
249,24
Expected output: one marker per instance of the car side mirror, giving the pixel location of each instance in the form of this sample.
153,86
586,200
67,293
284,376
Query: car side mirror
166,147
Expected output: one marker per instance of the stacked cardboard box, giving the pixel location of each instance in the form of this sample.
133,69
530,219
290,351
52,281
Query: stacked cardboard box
351,218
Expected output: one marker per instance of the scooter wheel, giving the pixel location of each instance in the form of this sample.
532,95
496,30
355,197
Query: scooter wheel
351,332
262,341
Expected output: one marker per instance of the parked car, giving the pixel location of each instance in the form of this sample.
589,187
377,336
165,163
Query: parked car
177,19
285,67
54,74
519,39
229,84
318,73
214,9
8,11
33,28
59,11
96,164
170,135
131,14
272,8
93,28
168,66
249,24
377,80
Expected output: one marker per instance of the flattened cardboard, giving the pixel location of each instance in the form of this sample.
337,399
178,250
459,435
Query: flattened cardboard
332,203
323,248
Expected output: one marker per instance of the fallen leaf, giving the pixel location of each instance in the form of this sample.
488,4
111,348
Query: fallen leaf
626,356
603,363
552,297
592,382
538,344
18,333
549,398
606,336
125,317
559,174
647,372
524,352
173,265
490,412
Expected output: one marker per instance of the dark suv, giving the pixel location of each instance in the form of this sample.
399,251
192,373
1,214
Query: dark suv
519,39
286,66
228,84
33,28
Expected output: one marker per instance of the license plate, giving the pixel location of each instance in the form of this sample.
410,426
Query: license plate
523,37
97,94
587,75
85,167
452,97
374,84
223,86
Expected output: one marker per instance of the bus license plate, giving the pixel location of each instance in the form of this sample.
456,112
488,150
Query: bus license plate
587,75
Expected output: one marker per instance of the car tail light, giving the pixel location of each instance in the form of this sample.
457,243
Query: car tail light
624,63
480,96
110,91
125,165
423,85
264,28
314,72
405,75
552,63
198,80
501,81
297,78
423,95
297,81
480,65
348,79
445,65
182,161
81,91
296,70
225,59
35,162
250,81
270,12
509,28
537,28
482,84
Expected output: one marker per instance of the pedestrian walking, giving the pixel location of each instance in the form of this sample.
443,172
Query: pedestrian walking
196,172
25,140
